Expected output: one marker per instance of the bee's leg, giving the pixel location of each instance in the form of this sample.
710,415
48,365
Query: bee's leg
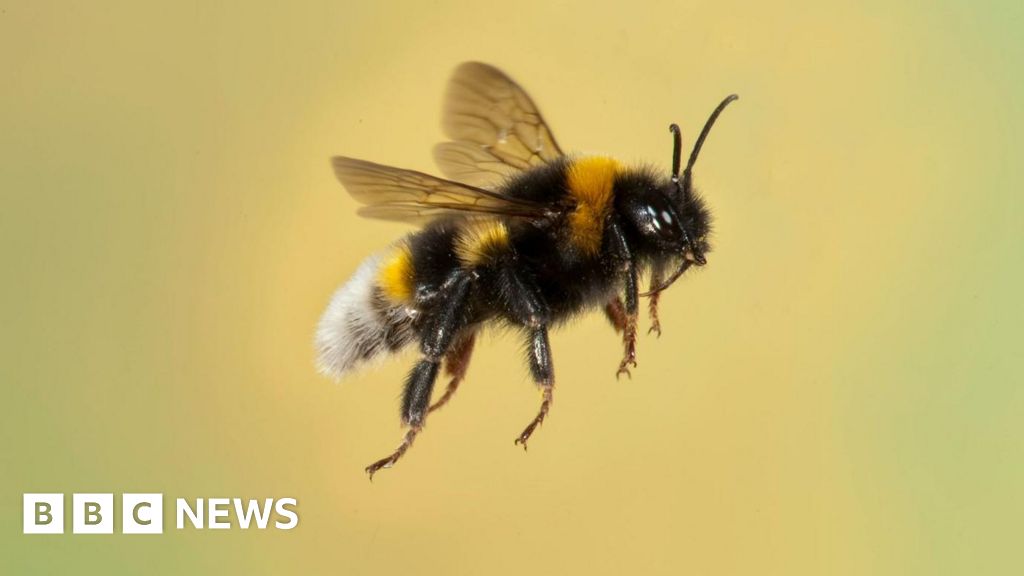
543,372
615,310
455,363
657,275
435,341
422,377
629,340
624,257
523,305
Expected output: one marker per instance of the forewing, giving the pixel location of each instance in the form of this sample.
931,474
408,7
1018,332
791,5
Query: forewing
496,129
408,196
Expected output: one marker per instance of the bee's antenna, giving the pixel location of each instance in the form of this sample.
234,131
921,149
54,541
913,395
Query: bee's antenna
677,150
703,135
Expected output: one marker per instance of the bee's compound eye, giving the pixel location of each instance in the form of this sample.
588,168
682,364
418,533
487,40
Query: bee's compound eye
656,220
662,222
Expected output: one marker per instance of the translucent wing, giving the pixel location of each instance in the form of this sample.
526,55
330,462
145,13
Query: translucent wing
496,129
408,196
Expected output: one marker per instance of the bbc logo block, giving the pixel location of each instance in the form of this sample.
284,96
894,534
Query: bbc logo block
93,513
142,513
43,513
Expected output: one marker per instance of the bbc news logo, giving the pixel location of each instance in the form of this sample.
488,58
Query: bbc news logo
144,513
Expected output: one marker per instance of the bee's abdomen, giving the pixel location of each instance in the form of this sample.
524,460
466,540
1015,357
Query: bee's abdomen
363,321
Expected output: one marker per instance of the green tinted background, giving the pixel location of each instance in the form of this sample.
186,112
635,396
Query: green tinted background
838,392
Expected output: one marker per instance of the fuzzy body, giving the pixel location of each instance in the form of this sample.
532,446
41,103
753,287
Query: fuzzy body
519,234
570,264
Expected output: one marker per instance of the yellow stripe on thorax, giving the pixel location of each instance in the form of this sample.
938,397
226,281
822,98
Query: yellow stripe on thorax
396,275
480,241
591,182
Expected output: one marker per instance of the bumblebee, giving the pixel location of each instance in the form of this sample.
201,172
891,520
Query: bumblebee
520,234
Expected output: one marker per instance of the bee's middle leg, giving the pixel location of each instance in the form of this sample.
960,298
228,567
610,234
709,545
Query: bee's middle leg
435,341
543,373
524,305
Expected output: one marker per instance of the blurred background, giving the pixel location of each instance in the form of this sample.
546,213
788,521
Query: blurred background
837,392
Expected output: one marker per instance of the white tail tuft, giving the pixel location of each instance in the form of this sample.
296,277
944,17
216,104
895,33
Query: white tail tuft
359,326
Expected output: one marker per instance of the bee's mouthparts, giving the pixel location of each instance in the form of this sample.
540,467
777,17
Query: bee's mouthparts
695,257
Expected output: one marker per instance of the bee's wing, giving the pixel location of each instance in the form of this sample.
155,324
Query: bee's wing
408,196
496,129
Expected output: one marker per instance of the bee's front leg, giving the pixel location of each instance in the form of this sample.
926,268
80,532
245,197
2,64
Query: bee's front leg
624,259
657,275
629,342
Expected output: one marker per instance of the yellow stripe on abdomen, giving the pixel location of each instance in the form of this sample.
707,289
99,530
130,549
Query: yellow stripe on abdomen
478,243
396,275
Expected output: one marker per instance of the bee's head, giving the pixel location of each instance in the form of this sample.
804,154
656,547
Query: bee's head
673,219
662,226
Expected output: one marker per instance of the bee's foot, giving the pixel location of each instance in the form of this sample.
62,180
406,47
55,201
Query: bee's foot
521,440
655,327
389,461
380,464
629,360
624,368
541,414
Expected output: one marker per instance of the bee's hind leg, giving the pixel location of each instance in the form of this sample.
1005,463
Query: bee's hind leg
435,342
455,364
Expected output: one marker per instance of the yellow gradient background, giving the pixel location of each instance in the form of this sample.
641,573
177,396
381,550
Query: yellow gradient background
838,392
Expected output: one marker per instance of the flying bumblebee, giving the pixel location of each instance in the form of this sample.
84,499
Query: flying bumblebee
520,235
